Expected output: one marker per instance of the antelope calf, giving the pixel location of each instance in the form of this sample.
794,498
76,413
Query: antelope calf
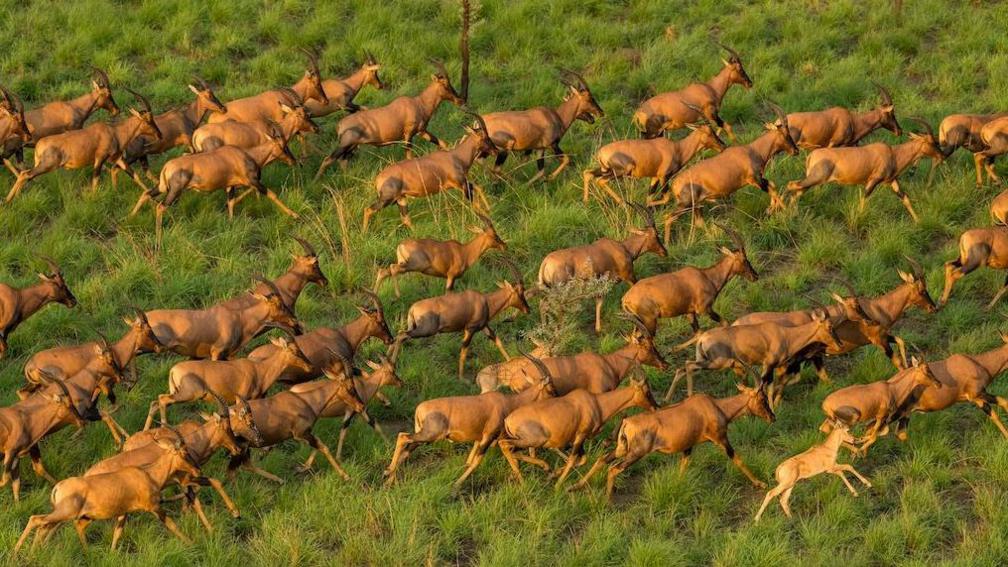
341,92
304,270
294,119
448,259
679,428
475,419
697,101
16,305
838,126
265,106
869,165
398,121
818,459
978,247
542,128
689,291
430,174
567,422
658,159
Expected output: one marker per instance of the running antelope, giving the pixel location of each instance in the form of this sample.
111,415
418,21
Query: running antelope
16,305
604,258
397,121
968,131
265,106
839,126
673,110
870,165
304,270
432,173
341,92
680,428
542,128
294,119
978,247
447,259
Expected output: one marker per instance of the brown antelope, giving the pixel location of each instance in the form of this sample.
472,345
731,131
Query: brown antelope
16,305
432,173
689,291
679,428
994,137
869,165
219,332
176,126
812,462
720,176
320,344
266,105
341,92
999,208
14,129
467,312
589,371
115,494
477,419
839,126
567,422
673,110
542,128
194,380
397,121
294,118
96,145
286,415
964,131
878,403
604,258
658,159
303,271
768,345
448,259
978,247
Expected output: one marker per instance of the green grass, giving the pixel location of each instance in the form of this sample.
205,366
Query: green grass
939,498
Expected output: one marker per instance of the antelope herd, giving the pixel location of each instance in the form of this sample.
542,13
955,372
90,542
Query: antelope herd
279,391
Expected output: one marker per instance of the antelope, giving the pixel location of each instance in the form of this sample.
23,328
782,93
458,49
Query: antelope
595,373
341,92
294,119
966,131
680,428
113,495
839,126
286,415
16,305
448,259
673,110
658,159
542,128
14,129
818,459
304,270
265,106
978,247
95,145
228,379
720,176
467,312
689,291
477,419
567,421
397,121
432,173
604,258
995,135
999,208
870,165
770,345
878,403
219,332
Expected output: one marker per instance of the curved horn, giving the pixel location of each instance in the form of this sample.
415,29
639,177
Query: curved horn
141,314
66,392
369,57
915,267
141,99
199,81
52,265
313,57
309,250
103,340
100,76
735,237
697,109
224,412
272,286
645,213
850,287
485,220
513,268
735,57
884,94
479,120
924,125
543,371
777,110
375,300
439,65
8,99
295,98
578,82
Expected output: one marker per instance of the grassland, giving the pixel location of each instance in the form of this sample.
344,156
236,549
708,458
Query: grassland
940,498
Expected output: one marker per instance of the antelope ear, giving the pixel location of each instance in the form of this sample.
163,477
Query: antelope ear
95,86
904,276
914,135
205,416
474,229
915,361
98,350
725,61
134,112
286,109
277,342
434,77
373,365
836,297
502,284
769,125
741,387
128,321
194,89
44,277
725,250
692,127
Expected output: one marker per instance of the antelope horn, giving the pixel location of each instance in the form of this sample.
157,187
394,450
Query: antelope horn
52,265
439,65
369,57
884,94
734,54
646,213
513,269
479,120
923,124
486,221
578,81
309,250
8,99
735,237
850,287
637,323
375,300
313,56
103,340
66,392
346,364
697,109
777,110
141,99
100,76
199,81
224,412
915,267
296,98
543,371
272,286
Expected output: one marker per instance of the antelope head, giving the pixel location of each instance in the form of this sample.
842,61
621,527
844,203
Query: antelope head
489,232
737,73
516,291
647,350
370,68
279,145
243,421
780,127
206,97
642,395
300,114
851,304
480,131
101,89
918,286
929,142
345,389
14,109
825,333
652,241
445,89
280,316
587,108
377,316
57,285
708,138
740,261
308,263
543,387
921,375
224,434
292,354
313,78
387,370
148,125
147,341
887,110
758,403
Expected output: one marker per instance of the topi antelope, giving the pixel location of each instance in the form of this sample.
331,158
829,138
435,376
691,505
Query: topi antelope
16,305
812,462
869,165
95,145
265,106
839,126
14,129
994,135
303,271
693,103
604,258
978,247
467,312
447,259
542,128
341,92
432,173
680,428
689,291
999,208
397,121
477,419
967,131
294,119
